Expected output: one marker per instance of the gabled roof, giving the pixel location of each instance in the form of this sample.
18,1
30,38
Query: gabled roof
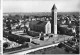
54,7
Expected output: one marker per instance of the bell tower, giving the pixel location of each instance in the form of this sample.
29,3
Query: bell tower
54,20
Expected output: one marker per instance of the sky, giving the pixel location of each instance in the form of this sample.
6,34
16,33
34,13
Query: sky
40,5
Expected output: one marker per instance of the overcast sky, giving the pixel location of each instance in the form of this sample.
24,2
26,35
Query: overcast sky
40,5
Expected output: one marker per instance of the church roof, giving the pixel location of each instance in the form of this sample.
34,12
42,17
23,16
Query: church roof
54,7
38,23
38,26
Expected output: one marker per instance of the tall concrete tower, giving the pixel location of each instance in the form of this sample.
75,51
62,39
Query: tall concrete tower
54,20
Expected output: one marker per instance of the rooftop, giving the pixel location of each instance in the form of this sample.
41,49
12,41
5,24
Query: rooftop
54,7
38,23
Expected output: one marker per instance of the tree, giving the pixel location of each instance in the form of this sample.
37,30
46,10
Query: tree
67,50
5,45
60,45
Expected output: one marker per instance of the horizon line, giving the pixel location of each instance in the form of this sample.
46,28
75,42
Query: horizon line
38,12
